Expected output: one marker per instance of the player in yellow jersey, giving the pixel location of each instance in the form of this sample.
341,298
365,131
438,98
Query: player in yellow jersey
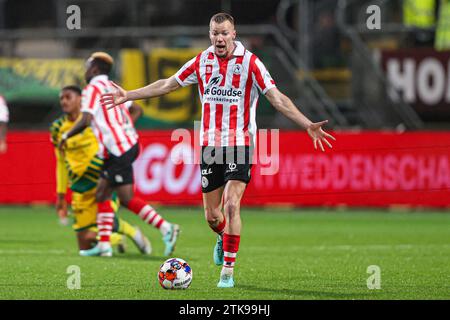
79,168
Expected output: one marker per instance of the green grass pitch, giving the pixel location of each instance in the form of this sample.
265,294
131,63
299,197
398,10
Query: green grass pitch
285,254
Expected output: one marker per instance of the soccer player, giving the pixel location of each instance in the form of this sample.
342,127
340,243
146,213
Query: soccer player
115,131
229,78
79,167
4,119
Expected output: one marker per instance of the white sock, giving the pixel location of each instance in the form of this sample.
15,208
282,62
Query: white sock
104,245
164,228
226,271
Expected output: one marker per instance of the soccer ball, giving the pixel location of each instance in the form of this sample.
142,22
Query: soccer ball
175,273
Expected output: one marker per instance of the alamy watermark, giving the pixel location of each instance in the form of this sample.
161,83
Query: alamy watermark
374,280
74,279
73,21
373,22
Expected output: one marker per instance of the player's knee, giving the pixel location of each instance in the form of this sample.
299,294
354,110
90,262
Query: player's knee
212,216
100,196
212,221
124,201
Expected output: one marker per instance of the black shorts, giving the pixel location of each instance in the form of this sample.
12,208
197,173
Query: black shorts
119,170
219,165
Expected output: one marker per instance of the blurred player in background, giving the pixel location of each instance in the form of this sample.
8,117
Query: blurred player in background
116,133
78,166
4,119
229,79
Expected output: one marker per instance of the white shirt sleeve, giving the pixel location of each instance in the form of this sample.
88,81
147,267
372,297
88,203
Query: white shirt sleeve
90,99
187,74
4,112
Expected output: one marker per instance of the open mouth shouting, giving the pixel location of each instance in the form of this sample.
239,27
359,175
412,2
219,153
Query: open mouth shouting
221,50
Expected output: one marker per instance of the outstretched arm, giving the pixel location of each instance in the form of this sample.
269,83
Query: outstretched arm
84,122
155,89
285,105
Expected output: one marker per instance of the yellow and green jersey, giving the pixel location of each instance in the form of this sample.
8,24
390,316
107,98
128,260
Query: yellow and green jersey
78,166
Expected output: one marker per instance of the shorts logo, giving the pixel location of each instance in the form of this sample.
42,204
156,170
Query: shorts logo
205,172
232,167
205,182
237,69
118,178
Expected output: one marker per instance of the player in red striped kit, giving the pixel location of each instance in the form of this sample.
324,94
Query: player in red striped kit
119,147
230,79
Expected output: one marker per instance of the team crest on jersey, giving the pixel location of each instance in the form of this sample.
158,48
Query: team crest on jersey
205,182
237,69
208,69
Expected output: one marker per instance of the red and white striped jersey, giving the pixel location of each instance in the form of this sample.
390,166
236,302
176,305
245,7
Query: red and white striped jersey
4,113
113,127
229,89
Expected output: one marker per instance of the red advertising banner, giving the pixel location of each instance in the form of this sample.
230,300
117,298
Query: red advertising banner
27,169
364,169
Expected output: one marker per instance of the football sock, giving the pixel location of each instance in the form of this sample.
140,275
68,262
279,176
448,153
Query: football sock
230,248
148,214
126,229
105,222
219,229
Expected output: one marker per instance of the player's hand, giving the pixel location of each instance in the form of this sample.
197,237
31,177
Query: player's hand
112,99
61,208
319,136
62,145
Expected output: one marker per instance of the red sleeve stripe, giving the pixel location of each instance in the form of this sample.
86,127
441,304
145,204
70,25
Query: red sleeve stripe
259,78
95,92
187,72
197,71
